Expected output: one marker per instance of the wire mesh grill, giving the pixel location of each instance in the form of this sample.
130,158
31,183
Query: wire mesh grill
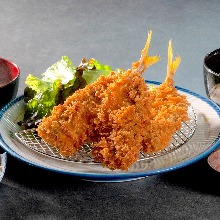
31,139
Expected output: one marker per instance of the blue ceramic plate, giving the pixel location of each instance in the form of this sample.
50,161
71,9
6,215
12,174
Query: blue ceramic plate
204,140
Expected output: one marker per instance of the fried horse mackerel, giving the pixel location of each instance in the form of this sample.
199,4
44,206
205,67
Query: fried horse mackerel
118,115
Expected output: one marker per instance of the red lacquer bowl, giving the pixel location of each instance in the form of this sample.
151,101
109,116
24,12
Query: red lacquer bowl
9,81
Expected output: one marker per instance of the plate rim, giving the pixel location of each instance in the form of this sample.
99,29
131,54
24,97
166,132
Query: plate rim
117,176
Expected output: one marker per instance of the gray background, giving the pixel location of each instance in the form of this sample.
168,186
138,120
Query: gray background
36,33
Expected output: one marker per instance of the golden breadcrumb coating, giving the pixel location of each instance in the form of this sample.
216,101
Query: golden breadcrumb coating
119,115
168,110
112,113
122,121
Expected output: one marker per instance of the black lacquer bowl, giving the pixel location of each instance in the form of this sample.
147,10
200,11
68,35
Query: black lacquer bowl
211,71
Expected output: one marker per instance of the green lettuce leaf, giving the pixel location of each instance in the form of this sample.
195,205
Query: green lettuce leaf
40,98
62,70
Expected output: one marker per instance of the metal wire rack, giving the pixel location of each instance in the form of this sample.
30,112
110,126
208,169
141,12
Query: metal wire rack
30,139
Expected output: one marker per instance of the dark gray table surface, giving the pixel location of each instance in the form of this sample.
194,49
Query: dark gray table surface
36,33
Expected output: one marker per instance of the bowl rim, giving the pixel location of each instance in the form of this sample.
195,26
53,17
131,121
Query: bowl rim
214,52
18,72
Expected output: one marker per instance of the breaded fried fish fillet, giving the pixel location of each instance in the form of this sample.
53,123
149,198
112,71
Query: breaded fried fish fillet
168,110
113,113
119,115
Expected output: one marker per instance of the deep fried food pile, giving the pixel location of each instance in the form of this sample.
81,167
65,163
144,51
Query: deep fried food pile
118,115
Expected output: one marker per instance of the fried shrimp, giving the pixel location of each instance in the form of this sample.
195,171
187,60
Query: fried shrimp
113,113
169,109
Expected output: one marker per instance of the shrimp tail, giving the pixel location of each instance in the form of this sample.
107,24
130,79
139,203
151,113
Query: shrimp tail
145,60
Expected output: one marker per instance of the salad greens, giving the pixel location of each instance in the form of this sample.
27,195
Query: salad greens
59,81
